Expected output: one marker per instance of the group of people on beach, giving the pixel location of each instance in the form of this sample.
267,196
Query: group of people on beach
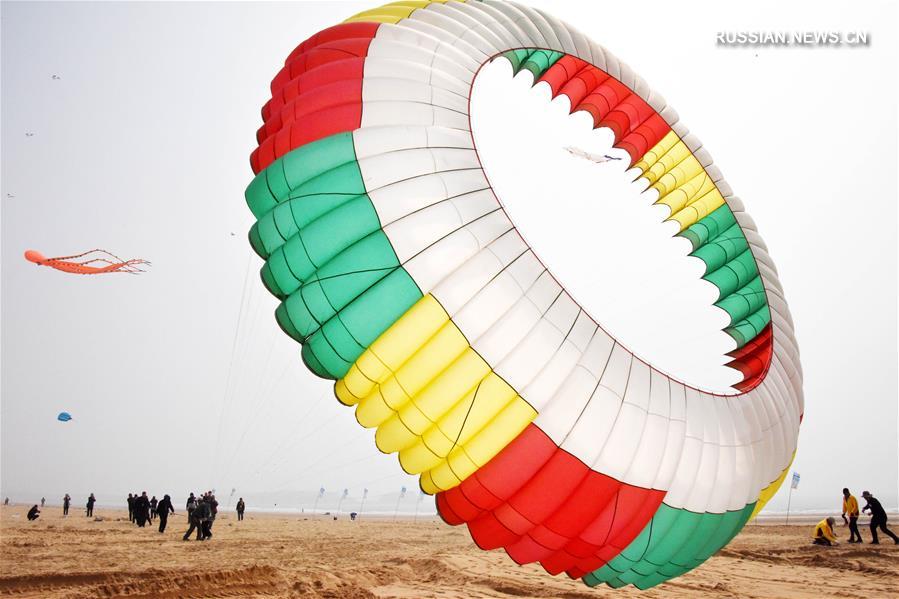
201,512
143,510
824,533
34,513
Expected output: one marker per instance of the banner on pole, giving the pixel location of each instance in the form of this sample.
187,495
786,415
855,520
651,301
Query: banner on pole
795,483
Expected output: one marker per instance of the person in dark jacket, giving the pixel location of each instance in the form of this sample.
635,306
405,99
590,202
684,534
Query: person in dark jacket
65,504
163,508
241,506
130,507
34,513
213,512
190,506
153,503
90,505
197,520
878,519
142,509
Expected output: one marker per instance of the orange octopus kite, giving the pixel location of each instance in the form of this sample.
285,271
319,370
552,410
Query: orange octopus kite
83,267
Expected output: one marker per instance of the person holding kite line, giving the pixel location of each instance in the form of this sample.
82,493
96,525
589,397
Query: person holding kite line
850,509
878,519
163,509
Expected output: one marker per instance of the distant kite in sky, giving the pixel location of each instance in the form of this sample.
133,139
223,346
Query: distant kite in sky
598,158
93,262
64,417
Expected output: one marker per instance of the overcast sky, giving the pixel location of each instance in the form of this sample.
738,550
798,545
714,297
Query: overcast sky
140,146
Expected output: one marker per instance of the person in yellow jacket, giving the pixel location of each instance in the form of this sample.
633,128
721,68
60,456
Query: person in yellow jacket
824,533
850,509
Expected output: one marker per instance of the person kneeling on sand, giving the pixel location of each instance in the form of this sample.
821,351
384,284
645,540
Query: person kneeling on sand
878,519
824,533
34,513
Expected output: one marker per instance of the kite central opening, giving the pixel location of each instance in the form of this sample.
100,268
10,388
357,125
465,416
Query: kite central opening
573,198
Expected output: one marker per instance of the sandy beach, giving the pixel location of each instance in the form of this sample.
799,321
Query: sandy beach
284,556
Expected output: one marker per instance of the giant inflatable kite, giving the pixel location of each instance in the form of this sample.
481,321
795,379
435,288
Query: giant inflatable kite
406,282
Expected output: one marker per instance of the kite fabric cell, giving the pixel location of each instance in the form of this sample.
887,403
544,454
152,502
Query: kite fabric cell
93,262
64,417
408,285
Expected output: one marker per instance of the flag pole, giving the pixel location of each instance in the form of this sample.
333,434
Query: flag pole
398,499
318,496
793,484
789,499
396,510
417,505
362,504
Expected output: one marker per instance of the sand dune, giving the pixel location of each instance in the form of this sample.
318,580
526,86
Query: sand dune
280,556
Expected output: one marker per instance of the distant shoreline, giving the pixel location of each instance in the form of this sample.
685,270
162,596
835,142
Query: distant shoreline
798,518
117,511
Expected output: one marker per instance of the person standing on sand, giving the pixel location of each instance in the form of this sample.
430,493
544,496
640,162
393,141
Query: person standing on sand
850,508
65,504
42,502
6,501
130,507
153,503
34,513
90,505
162,510
878,519
191,505
824,533
241,506
213,512
142,509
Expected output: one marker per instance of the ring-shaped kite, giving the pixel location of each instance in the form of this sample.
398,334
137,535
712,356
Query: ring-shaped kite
405,281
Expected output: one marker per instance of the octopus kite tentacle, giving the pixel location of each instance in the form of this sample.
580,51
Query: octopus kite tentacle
70,264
